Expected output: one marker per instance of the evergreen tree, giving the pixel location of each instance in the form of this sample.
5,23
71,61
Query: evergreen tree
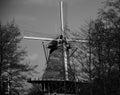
13,70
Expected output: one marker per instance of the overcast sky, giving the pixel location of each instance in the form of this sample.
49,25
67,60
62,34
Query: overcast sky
43,16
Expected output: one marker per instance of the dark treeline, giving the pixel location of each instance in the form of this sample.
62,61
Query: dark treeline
104,46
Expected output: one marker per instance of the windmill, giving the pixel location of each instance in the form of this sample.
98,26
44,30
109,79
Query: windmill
62,84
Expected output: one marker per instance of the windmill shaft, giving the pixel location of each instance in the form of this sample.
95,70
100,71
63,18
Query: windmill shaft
82,40
65,61
61,16
38,38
